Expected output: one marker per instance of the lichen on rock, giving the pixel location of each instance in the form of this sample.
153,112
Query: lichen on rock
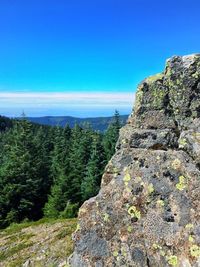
148,212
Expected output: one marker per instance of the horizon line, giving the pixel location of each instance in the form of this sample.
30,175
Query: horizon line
76,104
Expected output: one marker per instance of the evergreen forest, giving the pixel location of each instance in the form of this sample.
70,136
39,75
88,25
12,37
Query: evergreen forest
49,171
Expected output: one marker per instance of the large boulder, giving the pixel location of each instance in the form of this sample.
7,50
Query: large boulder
147,213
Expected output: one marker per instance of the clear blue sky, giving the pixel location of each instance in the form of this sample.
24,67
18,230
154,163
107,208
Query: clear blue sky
90,45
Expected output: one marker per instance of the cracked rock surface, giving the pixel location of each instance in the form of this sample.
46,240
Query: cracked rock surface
147,213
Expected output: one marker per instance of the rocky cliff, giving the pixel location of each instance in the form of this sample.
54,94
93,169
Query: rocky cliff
147,213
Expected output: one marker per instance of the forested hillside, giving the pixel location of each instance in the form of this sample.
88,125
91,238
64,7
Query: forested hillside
98,123
5,123
49,171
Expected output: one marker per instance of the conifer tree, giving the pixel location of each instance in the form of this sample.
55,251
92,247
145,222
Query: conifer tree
43,148
19,180
91,182
111,136
79,156
60,170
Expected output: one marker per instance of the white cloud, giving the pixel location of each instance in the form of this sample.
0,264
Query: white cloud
75,104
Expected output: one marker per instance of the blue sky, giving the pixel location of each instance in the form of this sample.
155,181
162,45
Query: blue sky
87,47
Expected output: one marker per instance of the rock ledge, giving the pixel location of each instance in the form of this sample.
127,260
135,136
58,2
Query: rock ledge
147,213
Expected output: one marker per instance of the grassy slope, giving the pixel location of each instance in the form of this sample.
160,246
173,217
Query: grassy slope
42,243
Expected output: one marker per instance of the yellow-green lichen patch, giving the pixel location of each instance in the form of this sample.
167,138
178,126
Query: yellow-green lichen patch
116,170
134,212
176,164
130,228
106,217
118,258
182,142
177,111
156,246
182,183
189,226
191,239
78,227
196,135
172,260
139,97
82,210
195,75
124,253
154,78
126,178
162,253
128,190
138,179
150,188
195,251
160,203
124,141
115,253
158,96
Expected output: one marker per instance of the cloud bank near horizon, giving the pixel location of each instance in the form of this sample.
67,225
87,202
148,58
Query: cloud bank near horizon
57,104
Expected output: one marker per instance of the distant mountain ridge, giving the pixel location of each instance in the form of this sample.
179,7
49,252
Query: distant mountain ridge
97,123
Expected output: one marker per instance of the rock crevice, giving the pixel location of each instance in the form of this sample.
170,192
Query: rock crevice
147,212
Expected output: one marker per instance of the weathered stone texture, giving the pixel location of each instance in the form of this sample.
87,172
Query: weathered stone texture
147,212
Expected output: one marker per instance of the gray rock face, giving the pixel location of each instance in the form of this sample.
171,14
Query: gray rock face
147,212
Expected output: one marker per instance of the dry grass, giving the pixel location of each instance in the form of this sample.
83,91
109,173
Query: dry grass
42,243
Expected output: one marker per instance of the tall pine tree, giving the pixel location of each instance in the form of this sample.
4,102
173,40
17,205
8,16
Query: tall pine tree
91,182
60,169
20,181
111,136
